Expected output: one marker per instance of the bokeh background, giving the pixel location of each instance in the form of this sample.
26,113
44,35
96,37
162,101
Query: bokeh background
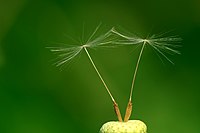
37,97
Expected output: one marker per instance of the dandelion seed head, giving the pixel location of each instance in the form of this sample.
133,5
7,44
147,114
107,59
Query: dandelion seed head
66,53
163,45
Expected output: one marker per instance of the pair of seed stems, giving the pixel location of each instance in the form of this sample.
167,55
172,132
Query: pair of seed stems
116,107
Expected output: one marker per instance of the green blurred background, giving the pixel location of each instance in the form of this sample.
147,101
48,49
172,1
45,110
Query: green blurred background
36,97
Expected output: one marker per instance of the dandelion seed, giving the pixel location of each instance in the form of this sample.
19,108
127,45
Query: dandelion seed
160,44
66,54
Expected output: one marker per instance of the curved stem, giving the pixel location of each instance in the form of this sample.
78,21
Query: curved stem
129,106
136,69
116,107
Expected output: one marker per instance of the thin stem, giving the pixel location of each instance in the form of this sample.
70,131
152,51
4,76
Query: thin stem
129,106
116,107
136,69
99,74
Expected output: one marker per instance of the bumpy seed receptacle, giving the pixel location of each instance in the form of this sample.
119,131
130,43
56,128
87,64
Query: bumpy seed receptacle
132,126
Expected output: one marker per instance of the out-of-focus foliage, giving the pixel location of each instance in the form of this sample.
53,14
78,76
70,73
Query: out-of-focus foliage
37,97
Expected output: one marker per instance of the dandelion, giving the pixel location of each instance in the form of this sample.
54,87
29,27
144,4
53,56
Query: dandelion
112,38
